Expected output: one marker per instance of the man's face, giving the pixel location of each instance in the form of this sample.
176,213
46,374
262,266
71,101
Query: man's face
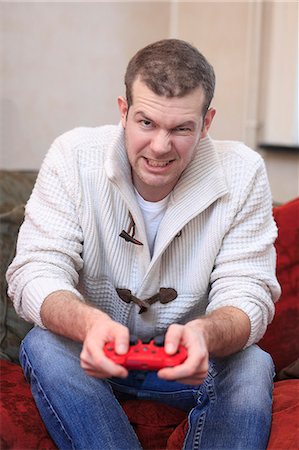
162,135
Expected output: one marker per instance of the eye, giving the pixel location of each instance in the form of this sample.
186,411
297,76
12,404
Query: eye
182,130
145,123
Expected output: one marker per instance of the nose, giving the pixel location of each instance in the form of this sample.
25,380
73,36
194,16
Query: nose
160,142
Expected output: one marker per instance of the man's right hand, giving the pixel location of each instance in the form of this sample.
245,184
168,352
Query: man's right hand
93,359
63,313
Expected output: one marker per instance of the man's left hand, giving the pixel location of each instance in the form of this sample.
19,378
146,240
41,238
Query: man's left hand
195,368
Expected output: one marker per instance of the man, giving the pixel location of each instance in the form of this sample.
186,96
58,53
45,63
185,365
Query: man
150,228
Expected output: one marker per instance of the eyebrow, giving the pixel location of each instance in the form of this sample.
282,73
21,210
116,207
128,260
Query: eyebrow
185,124
182,124
141,113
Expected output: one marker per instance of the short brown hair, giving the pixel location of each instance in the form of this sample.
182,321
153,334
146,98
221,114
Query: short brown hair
171,68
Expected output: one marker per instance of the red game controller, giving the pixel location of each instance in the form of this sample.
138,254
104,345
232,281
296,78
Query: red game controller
146,355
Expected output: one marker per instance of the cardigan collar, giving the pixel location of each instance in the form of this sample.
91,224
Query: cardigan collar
202,183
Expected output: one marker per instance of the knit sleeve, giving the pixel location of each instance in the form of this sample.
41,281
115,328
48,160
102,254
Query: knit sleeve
50,240
244,271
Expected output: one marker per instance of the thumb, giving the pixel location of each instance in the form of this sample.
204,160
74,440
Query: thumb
121,344
173,338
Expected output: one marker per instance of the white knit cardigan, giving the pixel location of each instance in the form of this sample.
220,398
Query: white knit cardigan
214,245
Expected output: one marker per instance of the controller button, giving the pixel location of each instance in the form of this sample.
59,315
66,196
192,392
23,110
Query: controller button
133,340
159,340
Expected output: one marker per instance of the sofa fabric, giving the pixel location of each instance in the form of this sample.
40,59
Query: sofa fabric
21,424
15,188
157,426
281,339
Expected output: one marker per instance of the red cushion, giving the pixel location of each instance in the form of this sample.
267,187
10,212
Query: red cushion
287,246
153,422
281,339
157,425
21,424
285,418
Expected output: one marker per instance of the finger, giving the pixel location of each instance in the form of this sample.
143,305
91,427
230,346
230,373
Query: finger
173,338
99,363
122,338
102,374
89,370
104,370
194,367
185,370
184,376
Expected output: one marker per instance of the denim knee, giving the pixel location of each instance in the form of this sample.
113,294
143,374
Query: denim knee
234,405
78,410
248,371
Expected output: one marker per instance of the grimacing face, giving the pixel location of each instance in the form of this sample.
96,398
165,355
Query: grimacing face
162,135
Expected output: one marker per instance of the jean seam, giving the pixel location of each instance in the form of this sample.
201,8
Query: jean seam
198,431
43,396
208,390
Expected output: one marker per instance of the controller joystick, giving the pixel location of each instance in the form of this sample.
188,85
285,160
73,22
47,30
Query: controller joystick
146,355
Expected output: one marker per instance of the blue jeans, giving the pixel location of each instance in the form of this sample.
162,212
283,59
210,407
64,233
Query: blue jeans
230,410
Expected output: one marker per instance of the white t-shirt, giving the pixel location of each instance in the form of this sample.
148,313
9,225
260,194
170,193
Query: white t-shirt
153,213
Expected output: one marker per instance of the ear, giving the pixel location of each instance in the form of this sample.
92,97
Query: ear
123,110
207,121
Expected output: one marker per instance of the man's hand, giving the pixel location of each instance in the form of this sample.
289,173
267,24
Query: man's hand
63,313
93,359
195,368
218,334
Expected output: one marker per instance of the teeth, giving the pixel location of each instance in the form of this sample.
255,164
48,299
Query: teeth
154,163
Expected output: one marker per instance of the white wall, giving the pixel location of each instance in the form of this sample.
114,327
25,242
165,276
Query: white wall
63,66
279,100
279,74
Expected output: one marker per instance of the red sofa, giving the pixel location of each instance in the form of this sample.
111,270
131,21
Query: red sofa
162,427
